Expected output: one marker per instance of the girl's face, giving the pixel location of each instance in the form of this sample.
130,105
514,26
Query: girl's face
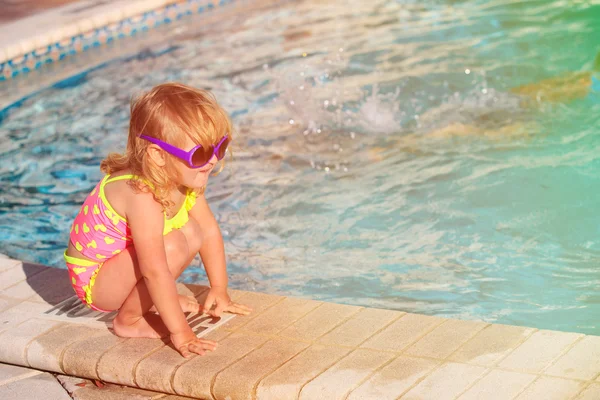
194,178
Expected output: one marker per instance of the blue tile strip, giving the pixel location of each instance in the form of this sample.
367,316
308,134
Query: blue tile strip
100,36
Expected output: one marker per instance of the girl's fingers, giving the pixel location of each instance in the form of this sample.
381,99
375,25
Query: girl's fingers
198,346
210,300
208,344
220,308
238,309
202,345
243,307
184,351
194,348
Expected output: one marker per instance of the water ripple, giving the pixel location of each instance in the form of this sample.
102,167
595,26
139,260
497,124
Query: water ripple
385,155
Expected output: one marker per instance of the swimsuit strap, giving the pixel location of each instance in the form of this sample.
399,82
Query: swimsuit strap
118,178
124,177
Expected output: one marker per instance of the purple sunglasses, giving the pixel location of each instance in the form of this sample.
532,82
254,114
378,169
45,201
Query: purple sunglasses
197,157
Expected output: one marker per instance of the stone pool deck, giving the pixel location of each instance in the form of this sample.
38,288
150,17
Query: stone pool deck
293,348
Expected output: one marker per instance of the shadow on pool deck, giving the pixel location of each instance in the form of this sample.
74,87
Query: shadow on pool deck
37,283
52,287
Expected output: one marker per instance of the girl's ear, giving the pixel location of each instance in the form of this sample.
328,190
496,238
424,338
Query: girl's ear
157,155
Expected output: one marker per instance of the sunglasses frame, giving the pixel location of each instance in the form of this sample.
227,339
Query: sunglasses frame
187,155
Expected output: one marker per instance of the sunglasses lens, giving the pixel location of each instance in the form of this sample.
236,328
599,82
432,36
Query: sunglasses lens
223,148
201,156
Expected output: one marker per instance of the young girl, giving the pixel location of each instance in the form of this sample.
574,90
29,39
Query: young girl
147,218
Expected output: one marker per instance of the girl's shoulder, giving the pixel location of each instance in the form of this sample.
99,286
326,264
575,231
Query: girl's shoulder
122,189
125,178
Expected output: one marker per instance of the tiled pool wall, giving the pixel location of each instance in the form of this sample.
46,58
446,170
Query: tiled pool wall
107,25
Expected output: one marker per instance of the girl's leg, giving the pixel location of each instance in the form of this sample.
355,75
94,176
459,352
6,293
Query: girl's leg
119,284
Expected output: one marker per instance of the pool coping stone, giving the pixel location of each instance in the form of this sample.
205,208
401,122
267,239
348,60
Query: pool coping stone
56,33
285,350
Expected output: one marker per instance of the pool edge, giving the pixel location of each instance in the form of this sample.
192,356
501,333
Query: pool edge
295,347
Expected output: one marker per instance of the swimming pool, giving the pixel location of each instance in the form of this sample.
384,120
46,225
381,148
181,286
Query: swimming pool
381,157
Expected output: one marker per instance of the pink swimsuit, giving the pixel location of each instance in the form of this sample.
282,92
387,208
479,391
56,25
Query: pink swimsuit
99,233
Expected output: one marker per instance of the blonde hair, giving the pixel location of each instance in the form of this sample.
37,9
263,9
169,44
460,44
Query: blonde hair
168,112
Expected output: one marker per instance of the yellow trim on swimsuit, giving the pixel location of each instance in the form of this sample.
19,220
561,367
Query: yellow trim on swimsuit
79,261
81,280
176,222
182,216
88,288
105,180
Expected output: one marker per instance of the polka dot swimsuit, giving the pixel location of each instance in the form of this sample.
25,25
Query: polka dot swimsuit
98,232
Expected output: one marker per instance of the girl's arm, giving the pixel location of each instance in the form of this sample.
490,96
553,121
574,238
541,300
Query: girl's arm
146,220
212,252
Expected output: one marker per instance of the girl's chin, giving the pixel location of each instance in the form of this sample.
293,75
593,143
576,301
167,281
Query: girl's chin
197,180
200,180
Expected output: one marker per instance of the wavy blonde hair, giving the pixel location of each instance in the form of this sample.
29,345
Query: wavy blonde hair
168,112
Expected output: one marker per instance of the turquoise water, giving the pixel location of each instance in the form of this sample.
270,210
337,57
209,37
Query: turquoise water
380,160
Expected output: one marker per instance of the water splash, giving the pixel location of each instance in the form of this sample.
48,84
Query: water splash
378,113
318,97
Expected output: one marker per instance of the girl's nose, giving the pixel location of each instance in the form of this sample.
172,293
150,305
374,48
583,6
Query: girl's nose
213,160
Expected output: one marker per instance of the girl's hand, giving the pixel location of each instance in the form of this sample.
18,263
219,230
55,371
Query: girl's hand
219,296
187,343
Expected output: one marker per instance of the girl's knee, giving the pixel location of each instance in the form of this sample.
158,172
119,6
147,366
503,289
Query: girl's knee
193,235
176,248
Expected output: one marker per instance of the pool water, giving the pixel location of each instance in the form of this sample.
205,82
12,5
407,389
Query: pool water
382,156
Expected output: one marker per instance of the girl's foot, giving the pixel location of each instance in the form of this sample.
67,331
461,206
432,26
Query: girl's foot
187,304
148,326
